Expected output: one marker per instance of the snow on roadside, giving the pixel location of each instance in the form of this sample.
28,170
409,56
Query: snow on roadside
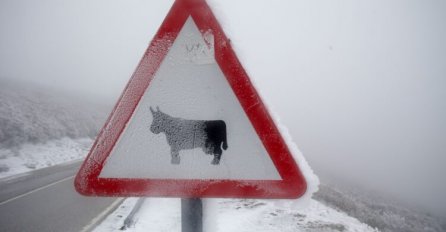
115,220
29,157
237,215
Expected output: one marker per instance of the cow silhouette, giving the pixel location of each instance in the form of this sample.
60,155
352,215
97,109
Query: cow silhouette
183,134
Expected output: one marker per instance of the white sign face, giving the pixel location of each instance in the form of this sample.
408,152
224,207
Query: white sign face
189,123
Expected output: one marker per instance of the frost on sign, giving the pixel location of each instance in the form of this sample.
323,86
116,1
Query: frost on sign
198,51
190,123
195,47
190,90
182,134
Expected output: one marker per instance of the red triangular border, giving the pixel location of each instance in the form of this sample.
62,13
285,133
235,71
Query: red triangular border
293,183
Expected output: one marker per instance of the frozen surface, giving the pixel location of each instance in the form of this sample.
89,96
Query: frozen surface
30,157
227,215
190,85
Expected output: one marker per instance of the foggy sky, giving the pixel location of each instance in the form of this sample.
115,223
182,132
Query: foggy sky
361,85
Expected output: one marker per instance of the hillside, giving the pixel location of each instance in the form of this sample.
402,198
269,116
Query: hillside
34,114
40,127
376,210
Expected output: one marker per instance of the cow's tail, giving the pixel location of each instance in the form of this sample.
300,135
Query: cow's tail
225,142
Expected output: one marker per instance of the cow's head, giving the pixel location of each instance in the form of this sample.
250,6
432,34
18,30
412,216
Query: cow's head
158,122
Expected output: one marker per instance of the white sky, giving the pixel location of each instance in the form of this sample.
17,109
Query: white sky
360,84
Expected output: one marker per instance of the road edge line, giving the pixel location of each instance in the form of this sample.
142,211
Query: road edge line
98,219
35,190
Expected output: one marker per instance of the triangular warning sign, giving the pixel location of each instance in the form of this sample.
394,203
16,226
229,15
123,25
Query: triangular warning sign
190,123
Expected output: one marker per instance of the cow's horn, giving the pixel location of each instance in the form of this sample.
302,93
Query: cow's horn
157,108
151,109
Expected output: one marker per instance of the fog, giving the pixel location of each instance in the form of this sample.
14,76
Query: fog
81,46
361,85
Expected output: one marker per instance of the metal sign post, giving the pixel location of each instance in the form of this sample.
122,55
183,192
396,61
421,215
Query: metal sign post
191,215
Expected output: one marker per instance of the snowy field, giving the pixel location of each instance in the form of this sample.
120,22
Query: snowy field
30,157
232,215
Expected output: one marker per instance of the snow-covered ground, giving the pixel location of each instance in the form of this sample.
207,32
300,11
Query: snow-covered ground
383,212
41,127
30,157
238,215
30,114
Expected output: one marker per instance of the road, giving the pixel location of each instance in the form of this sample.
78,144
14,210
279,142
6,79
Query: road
45,200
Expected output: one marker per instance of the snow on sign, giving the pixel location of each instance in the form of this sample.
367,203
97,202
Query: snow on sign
190,123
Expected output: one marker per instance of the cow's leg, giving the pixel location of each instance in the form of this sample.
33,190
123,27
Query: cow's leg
175,156
217,155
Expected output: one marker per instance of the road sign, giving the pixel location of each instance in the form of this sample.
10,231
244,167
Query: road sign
190,123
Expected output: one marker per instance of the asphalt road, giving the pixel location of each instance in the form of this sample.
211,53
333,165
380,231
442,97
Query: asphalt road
45,200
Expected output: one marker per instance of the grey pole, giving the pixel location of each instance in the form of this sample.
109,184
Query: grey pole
191,215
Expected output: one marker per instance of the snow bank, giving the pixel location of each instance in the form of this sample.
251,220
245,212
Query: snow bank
36,156
115,221
40,127
238,215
